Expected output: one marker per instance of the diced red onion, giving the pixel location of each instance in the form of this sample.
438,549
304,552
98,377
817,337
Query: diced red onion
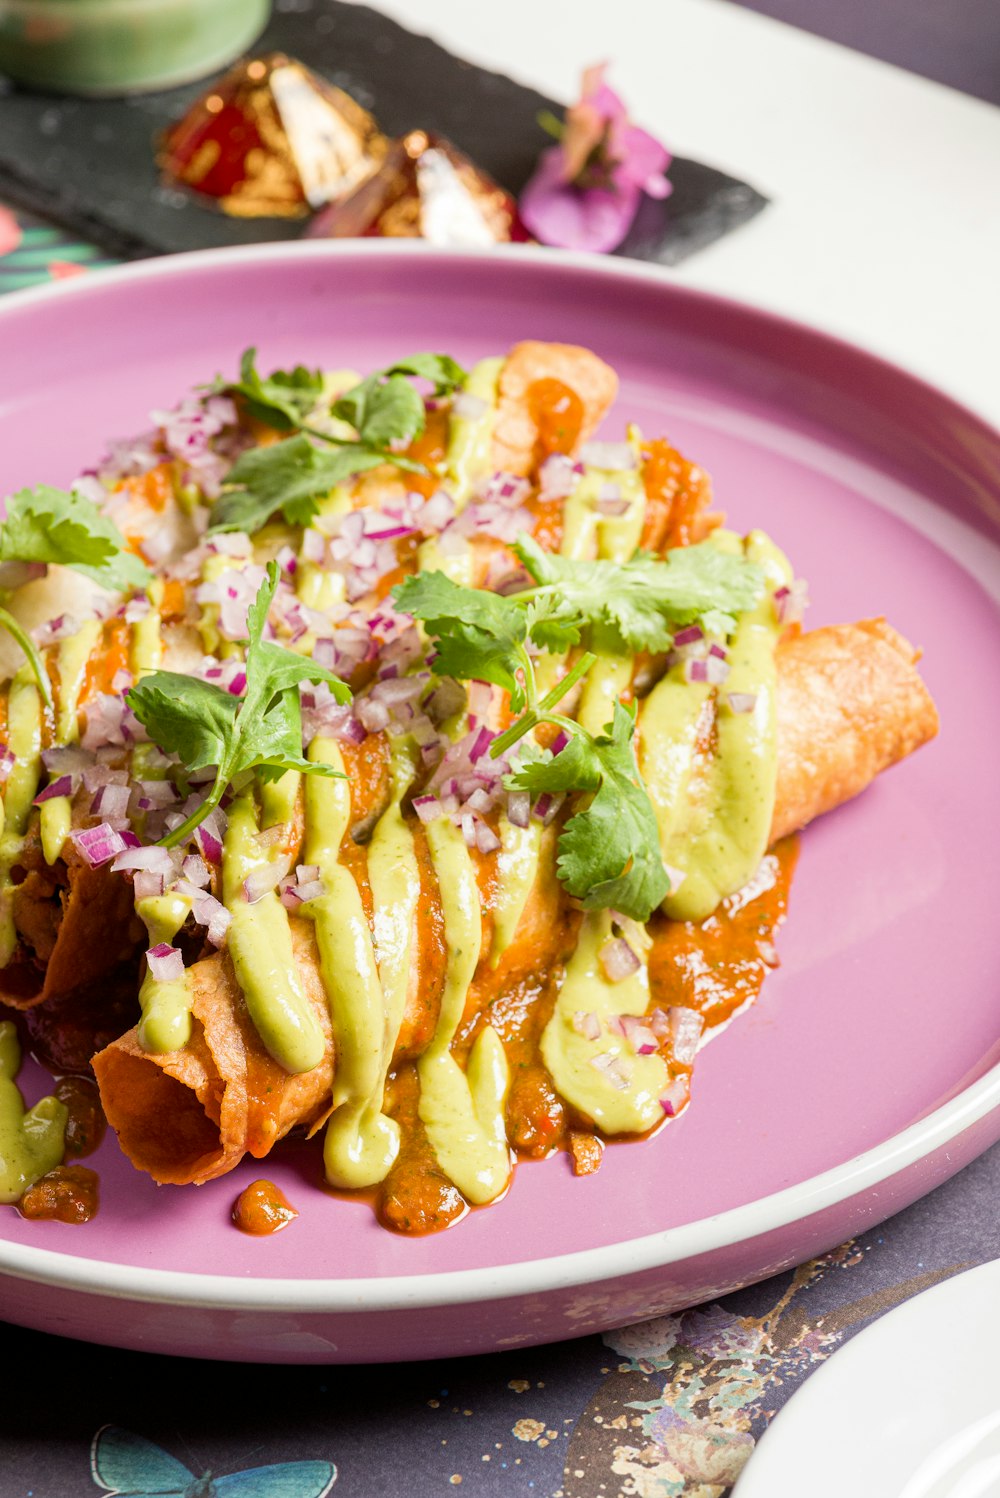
519,808
154,795
790,602
165,963
675,1097
486,839
557,477
546,808
313,545
213,915
768,954
618,960
711,670
611,456
437,512
686,1026
66,758
152,860
111,802
209,836
196,870
659,1023
468,407
373,715
98,845
742,702
146,886
7,761
65,785
614,1068
641,1037
689,635
261,880
587,1024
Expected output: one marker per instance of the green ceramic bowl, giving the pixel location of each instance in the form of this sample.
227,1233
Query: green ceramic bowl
123,46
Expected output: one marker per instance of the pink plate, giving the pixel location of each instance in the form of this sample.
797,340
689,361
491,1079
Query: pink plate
868,1072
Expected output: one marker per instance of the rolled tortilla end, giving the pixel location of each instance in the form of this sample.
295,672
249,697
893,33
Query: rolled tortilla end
75,925
188,1116
850,704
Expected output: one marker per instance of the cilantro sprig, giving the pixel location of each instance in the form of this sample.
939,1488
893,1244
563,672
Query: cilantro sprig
291,476
283,399
639,604
53,526
50,525
609,851
204,725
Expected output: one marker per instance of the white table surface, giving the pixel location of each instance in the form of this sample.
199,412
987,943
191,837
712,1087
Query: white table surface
884,224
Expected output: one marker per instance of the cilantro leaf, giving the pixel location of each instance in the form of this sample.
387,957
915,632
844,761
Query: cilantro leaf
283,400
290,476
553,624
643,602
50,525
479,635
609,851
385,408
205,725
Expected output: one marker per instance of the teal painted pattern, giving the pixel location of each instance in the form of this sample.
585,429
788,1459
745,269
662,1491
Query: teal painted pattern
33,252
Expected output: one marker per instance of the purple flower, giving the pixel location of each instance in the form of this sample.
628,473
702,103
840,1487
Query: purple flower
586,190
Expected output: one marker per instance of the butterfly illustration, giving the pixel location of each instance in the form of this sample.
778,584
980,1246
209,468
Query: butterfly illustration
127,1465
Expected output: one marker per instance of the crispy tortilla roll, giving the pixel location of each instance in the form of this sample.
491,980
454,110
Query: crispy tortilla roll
850,705
552,397
191,1115
75,924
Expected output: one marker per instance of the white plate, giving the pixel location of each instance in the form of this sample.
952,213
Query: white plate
909,1408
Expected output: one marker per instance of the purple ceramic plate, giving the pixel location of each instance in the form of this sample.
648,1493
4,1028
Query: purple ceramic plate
867,1073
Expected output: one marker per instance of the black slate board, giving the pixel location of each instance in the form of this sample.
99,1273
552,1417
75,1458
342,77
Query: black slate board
88,163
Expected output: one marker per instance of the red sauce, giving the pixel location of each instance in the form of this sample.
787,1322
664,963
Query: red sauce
678,494
86,1124
557,412
430,449
261,1209
715,968
67,1194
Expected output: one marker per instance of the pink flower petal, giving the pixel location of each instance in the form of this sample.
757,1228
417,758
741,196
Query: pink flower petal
574,218
637,156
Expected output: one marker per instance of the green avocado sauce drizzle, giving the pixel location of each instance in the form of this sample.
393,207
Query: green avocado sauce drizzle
715,815
463,1112
260,947
24,739
165,1003
361,1141
31,1141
